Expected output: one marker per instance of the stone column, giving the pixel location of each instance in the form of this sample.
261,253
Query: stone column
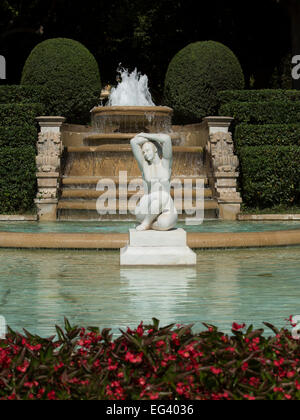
48,160
224,165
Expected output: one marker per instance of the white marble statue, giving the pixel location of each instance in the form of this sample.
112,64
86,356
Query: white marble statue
156,209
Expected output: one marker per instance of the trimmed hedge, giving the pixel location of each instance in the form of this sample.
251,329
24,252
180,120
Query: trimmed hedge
270,175
258,95
17,179
267,134
26,94
17,136
195,76
273,112
20,115
70,75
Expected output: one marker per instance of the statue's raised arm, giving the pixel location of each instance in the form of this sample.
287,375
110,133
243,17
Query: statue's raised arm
136,145
164,140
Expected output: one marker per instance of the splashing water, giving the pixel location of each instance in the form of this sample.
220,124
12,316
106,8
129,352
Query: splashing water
133,90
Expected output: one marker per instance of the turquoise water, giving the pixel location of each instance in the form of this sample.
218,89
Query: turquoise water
38,288
122,227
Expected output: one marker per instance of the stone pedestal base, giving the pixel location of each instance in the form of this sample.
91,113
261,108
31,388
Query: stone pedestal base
47,210
229,211
157,248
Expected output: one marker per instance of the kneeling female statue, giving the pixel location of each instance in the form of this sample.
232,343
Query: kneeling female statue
156,209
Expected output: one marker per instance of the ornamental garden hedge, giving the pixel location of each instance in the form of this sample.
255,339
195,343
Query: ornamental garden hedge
151,363
17,179
270,175
195,76
267,140
18,136
267,112
70,76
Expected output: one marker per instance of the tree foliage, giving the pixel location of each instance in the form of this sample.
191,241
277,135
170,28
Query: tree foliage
147,34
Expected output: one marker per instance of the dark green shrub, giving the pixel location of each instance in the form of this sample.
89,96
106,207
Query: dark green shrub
274,112
16,136
70,75
263,95
267,134
195,76
17,179
270,175
25,94
20,115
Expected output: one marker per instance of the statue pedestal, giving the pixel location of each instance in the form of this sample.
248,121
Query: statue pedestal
157,248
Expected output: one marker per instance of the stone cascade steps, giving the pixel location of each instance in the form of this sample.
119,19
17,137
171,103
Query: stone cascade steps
79,198
93,140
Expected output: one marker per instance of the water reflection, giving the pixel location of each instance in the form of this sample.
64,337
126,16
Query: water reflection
39,288
154,292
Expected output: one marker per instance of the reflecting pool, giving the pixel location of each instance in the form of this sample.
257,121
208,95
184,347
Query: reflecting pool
38,288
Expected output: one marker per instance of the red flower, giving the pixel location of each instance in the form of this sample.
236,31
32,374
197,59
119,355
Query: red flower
140,330
237,327
216,371
175,339
142,381
250,397
23,368
51,396
59,366
245,367
130,357
31,384
154,396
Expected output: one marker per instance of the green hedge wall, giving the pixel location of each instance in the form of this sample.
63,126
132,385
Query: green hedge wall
21,115
273,112
267,134
16,136
258,95
17,179
270,175
26,94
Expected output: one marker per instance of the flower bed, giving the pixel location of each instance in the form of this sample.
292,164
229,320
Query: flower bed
151,363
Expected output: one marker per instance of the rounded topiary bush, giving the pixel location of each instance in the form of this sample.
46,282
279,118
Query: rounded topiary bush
70,75
195,76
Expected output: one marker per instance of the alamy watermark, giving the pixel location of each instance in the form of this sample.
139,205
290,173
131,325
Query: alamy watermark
296,69
136,197
2,68
3,329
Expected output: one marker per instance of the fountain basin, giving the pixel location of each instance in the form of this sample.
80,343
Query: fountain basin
132,119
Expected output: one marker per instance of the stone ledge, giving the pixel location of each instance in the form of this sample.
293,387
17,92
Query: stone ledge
268,217
18,218
47,174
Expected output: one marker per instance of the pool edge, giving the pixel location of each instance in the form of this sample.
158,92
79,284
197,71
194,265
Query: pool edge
119,240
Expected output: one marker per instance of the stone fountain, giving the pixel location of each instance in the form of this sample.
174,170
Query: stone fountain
106,151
